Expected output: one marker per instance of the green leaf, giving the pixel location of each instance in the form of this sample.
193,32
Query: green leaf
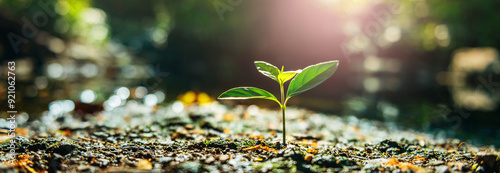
287,75
311,77
267,69
247,93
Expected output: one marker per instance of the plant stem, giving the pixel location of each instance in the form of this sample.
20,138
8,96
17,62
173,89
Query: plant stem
284,127
283,107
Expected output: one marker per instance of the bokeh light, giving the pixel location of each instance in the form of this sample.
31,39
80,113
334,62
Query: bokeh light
55,71
150,100
140,92
87,96
123,92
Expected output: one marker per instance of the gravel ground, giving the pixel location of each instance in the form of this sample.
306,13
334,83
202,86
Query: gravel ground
217,138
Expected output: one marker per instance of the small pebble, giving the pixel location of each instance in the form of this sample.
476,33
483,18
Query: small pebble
223,158
209,160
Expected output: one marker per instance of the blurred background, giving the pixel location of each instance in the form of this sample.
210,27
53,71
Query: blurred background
427,65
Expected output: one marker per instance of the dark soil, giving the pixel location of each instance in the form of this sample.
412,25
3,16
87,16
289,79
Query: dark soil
214,138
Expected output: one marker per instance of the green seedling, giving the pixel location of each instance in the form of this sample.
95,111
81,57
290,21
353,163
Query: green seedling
302,80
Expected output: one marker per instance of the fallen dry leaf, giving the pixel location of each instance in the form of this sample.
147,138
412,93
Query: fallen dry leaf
144,165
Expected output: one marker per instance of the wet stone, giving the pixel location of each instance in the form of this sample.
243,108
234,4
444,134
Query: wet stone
208,125
75,160
64,149
297,157
352,168
55,163
442,169
306,137
223,158
133,135
411,148
86,168
147,135
189,126
188,167
196,117
387,144
37,146
326,161
144,154
146,130
394,151
488,161
222,144
209,160
101,135
111,140
102,163
436,163
368,149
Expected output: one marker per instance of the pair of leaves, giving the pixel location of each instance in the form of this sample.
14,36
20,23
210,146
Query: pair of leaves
273,72
305,80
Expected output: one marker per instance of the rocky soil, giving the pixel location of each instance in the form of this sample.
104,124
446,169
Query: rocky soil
217,138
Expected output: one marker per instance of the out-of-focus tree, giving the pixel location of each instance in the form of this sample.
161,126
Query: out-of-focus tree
471,23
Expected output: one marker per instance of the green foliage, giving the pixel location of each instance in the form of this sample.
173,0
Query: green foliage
247,93
311,77
302,80
267,69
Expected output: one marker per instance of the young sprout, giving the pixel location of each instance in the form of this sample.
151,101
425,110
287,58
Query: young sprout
302,80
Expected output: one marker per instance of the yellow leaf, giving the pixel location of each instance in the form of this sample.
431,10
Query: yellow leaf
287,75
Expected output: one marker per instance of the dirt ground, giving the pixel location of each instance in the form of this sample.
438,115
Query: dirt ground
218,138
